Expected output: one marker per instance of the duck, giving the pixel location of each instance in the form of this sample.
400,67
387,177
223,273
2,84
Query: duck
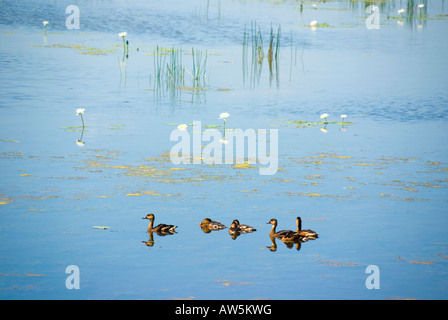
310,234
293,237
278,234
244,228
161,229
213,225
234,229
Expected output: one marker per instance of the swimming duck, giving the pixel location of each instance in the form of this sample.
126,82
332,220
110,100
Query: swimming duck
162,229
279,234
244,228
293,237
234,229
310,234
213,225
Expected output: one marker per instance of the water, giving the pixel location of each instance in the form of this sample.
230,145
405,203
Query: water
375,191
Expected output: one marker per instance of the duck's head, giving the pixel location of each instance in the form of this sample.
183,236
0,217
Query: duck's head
149,216
236,222
205,222
272,221
233,225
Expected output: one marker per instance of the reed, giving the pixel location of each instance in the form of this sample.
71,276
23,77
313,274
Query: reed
254,39
170,72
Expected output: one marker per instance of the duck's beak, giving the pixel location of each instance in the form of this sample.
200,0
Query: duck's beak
269,222
144,218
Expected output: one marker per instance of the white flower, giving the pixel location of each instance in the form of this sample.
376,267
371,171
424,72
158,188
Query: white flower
80,111
224,141
420,6
224,115
123,34
80,143
343,116
182,127
45,23
324,116
323,130
313,23
401,11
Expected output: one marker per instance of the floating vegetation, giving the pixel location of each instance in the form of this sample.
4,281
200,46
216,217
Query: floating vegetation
306,124
9,140
84,49
314,24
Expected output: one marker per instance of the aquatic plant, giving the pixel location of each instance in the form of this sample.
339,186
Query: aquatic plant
324,117
182,127
224,117
80,111
170,71
313,23
255,40
45,23
198,67
123,35
343,116
401,11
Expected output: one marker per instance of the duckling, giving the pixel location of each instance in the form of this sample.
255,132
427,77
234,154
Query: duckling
161,229
234,229
310,234
244,227
213,225
279,234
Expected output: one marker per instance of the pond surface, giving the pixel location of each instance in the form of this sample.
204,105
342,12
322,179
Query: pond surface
374,186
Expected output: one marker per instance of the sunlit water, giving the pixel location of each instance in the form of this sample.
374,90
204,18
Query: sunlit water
375,190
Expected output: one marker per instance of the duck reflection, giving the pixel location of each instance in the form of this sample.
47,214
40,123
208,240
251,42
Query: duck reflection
289,244
150,242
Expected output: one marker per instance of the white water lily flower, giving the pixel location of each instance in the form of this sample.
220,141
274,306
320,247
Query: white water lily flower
420,6
323,130
224,141
324,116
45,23
401,11
80,111
343,116
182,127
123,34
224,115
80,143
313,23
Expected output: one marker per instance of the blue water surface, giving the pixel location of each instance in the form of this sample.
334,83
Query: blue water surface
374,188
